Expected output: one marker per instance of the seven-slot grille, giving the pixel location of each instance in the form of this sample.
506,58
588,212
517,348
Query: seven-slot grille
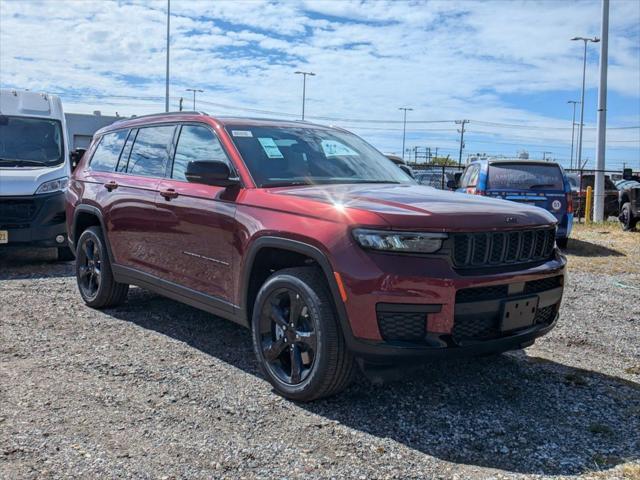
476,250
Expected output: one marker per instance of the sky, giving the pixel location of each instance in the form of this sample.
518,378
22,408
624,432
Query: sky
507,66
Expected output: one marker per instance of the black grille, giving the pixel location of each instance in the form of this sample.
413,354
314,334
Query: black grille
546,314
480,294
477,250
17,210
402,326
476,328
542,285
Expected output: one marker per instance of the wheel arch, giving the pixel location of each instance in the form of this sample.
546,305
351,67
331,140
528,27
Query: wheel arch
296,247
85,216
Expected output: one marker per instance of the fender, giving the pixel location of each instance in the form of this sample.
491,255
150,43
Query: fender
95,211
305,249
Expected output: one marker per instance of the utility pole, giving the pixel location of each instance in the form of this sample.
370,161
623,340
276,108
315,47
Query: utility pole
601,139
436,155
194,90
181,100
166,93
304,87
573,127
404,126
584,72
462,123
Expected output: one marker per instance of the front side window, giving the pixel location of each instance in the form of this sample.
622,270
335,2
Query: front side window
280,156
28,142
470,176
106,155
196,143
150,153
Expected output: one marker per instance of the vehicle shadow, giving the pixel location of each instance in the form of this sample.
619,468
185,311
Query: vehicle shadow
23,263
512,412
581,248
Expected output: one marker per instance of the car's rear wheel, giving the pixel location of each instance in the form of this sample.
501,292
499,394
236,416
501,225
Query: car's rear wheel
296,336
626,217
93,272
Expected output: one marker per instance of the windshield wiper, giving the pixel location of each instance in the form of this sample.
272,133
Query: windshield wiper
538,185
285,184
21,161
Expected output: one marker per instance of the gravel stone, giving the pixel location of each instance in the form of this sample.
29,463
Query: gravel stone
157,389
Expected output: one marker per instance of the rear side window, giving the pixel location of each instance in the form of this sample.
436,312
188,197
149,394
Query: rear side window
524,176
470,176
151,150
196,143
106,155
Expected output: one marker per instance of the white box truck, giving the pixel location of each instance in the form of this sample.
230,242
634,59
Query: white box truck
34,171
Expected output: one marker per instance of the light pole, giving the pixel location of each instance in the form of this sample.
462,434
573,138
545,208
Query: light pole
462,123
573,127
584,72
166,93
194,90
304,87
404,126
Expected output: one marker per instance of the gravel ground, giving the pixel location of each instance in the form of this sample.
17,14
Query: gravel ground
156,389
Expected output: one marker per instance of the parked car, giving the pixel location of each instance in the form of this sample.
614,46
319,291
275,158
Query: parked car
314,240
538,183
34,171
399,161
579,184
629,203
436,179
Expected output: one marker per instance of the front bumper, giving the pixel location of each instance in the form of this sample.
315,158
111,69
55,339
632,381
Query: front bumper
34,220
402,306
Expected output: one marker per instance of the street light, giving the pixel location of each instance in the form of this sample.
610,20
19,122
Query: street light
404,126
194,90
304,87
573,127
584,72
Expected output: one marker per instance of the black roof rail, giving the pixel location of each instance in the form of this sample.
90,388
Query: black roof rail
150,115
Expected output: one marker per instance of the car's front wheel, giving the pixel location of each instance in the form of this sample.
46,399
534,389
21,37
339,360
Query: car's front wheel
626,217
93,272
296,336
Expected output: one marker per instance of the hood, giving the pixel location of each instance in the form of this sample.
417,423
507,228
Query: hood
408,206
21,181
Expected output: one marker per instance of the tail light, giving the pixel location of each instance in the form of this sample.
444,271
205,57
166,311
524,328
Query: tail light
569,203
475,191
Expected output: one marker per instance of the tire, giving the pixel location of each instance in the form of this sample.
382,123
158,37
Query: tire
562,242
626,218
65,254
93,272
324,365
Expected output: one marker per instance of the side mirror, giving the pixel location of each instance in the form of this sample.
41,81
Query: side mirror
210,173
406,169
76,156
452,184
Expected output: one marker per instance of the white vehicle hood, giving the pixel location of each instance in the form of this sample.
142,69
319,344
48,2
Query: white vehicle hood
21,181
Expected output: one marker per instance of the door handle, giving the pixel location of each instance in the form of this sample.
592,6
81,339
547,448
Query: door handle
169,193
112,185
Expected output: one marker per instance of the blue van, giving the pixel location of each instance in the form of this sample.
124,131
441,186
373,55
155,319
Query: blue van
539,183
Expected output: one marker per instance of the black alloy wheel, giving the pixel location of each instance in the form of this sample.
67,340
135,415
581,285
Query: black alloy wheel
89,268
288,336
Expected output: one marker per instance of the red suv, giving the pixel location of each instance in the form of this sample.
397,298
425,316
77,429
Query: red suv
314,240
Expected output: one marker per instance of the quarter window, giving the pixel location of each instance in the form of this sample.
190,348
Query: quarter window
106,155
470,177
196,143
150,153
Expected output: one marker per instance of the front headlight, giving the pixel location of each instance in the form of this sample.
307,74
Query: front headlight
407,242
57,185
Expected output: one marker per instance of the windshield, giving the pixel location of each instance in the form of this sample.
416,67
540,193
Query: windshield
280,156
524,176
26,141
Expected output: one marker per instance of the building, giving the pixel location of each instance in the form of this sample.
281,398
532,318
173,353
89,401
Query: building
81,127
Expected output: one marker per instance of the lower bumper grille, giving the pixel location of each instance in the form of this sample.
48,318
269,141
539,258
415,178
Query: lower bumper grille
17,211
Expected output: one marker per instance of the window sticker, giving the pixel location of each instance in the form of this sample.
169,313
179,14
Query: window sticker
332,148
241,133
270,148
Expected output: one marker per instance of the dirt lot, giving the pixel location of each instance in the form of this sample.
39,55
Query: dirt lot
155,389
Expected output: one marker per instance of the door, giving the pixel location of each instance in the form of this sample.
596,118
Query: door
196,224
130,209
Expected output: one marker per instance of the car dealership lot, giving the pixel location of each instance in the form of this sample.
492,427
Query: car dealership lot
158,389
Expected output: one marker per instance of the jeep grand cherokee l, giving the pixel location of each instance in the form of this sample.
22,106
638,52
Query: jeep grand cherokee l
311,238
